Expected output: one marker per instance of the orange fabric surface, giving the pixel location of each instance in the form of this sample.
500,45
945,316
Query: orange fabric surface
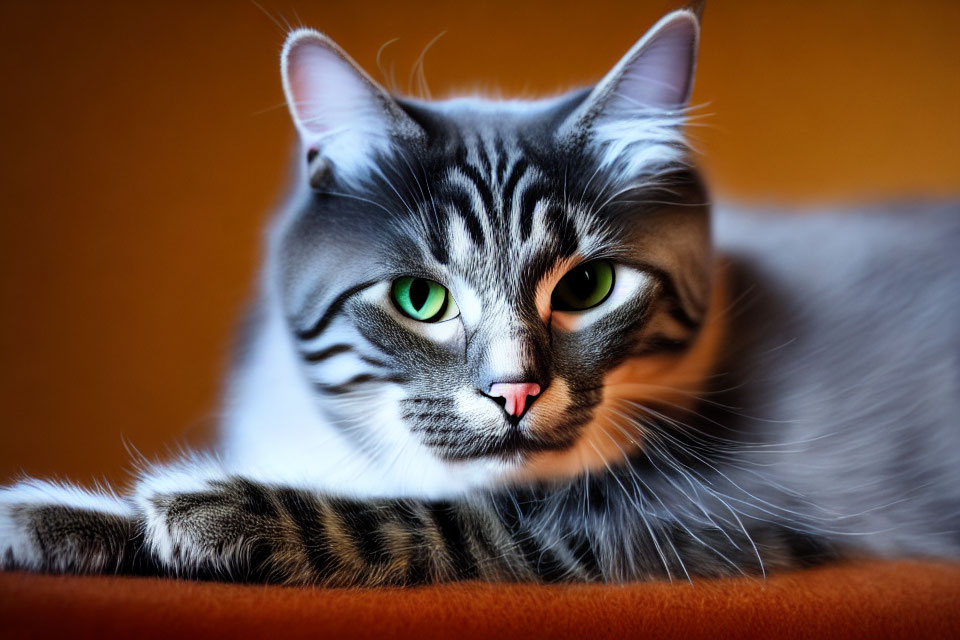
145,144
873,600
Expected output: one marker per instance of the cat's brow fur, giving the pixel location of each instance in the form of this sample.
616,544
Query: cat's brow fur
782,395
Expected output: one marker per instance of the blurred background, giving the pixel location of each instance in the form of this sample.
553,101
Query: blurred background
145,144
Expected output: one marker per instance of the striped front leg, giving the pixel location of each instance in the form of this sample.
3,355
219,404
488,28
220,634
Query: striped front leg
241,530
193,522
230,528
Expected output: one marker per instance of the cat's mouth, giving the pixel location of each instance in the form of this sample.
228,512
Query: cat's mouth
512,441
553,423
516,445
519,444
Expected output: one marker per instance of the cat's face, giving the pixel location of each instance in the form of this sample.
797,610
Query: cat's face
474,278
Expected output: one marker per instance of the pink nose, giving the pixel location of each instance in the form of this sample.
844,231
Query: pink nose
515,393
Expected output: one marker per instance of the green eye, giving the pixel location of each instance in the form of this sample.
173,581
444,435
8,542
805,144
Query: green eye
423,300
584,287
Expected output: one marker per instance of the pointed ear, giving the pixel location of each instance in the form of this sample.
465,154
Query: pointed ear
656,75
342,115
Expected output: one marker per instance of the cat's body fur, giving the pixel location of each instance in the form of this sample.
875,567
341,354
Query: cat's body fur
848,346
790,399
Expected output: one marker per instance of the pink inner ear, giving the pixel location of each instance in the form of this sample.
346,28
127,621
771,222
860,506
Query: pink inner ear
325,92
661,75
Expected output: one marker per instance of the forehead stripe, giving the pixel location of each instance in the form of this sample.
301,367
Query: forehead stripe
459,204
483,189
501,168
513,179
534,193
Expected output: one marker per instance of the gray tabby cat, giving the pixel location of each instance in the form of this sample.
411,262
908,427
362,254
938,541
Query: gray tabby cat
494,342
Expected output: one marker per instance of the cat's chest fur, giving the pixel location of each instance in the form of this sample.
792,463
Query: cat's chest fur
276,430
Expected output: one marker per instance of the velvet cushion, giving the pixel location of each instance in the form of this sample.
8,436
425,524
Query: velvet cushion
869,600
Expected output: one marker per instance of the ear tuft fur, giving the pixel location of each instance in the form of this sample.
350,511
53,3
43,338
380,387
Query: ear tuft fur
634,116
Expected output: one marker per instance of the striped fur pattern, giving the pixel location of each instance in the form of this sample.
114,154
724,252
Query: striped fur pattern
495,225
699,422
603,528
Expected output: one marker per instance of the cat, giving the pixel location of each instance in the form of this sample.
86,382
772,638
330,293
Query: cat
505,340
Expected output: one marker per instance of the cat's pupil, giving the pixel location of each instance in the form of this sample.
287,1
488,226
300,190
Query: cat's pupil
419,292
582,282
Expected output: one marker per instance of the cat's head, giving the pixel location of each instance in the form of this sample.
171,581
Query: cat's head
495,281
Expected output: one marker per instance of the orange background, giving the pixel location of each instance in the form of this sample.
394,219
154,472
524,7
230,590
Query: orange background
144,145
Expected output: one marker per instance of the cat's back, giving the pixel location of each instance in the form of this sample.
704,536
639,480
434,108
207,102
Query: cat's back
910,238
895,255
864,302
886,278
844,343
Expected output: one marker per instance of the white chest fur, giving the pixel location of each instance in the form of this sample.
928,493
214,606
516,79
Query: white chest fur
276,429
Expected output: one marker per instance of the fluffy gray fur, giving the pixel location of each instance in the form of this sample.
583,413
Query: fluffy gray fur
363,447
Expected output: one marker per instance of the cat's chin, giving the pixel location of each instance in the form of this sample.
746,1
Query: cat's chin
514,448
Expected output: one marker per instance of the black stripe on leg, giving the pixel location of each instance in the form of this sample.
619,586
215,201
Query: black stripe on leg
544,562
489,554
582,549
445,516
312,536
540,559
362,523
256,499
418,569
373,361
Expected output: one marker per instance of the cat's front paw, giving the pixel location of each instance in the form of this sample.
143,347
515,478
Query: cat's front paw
18,548
201,522
47,526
